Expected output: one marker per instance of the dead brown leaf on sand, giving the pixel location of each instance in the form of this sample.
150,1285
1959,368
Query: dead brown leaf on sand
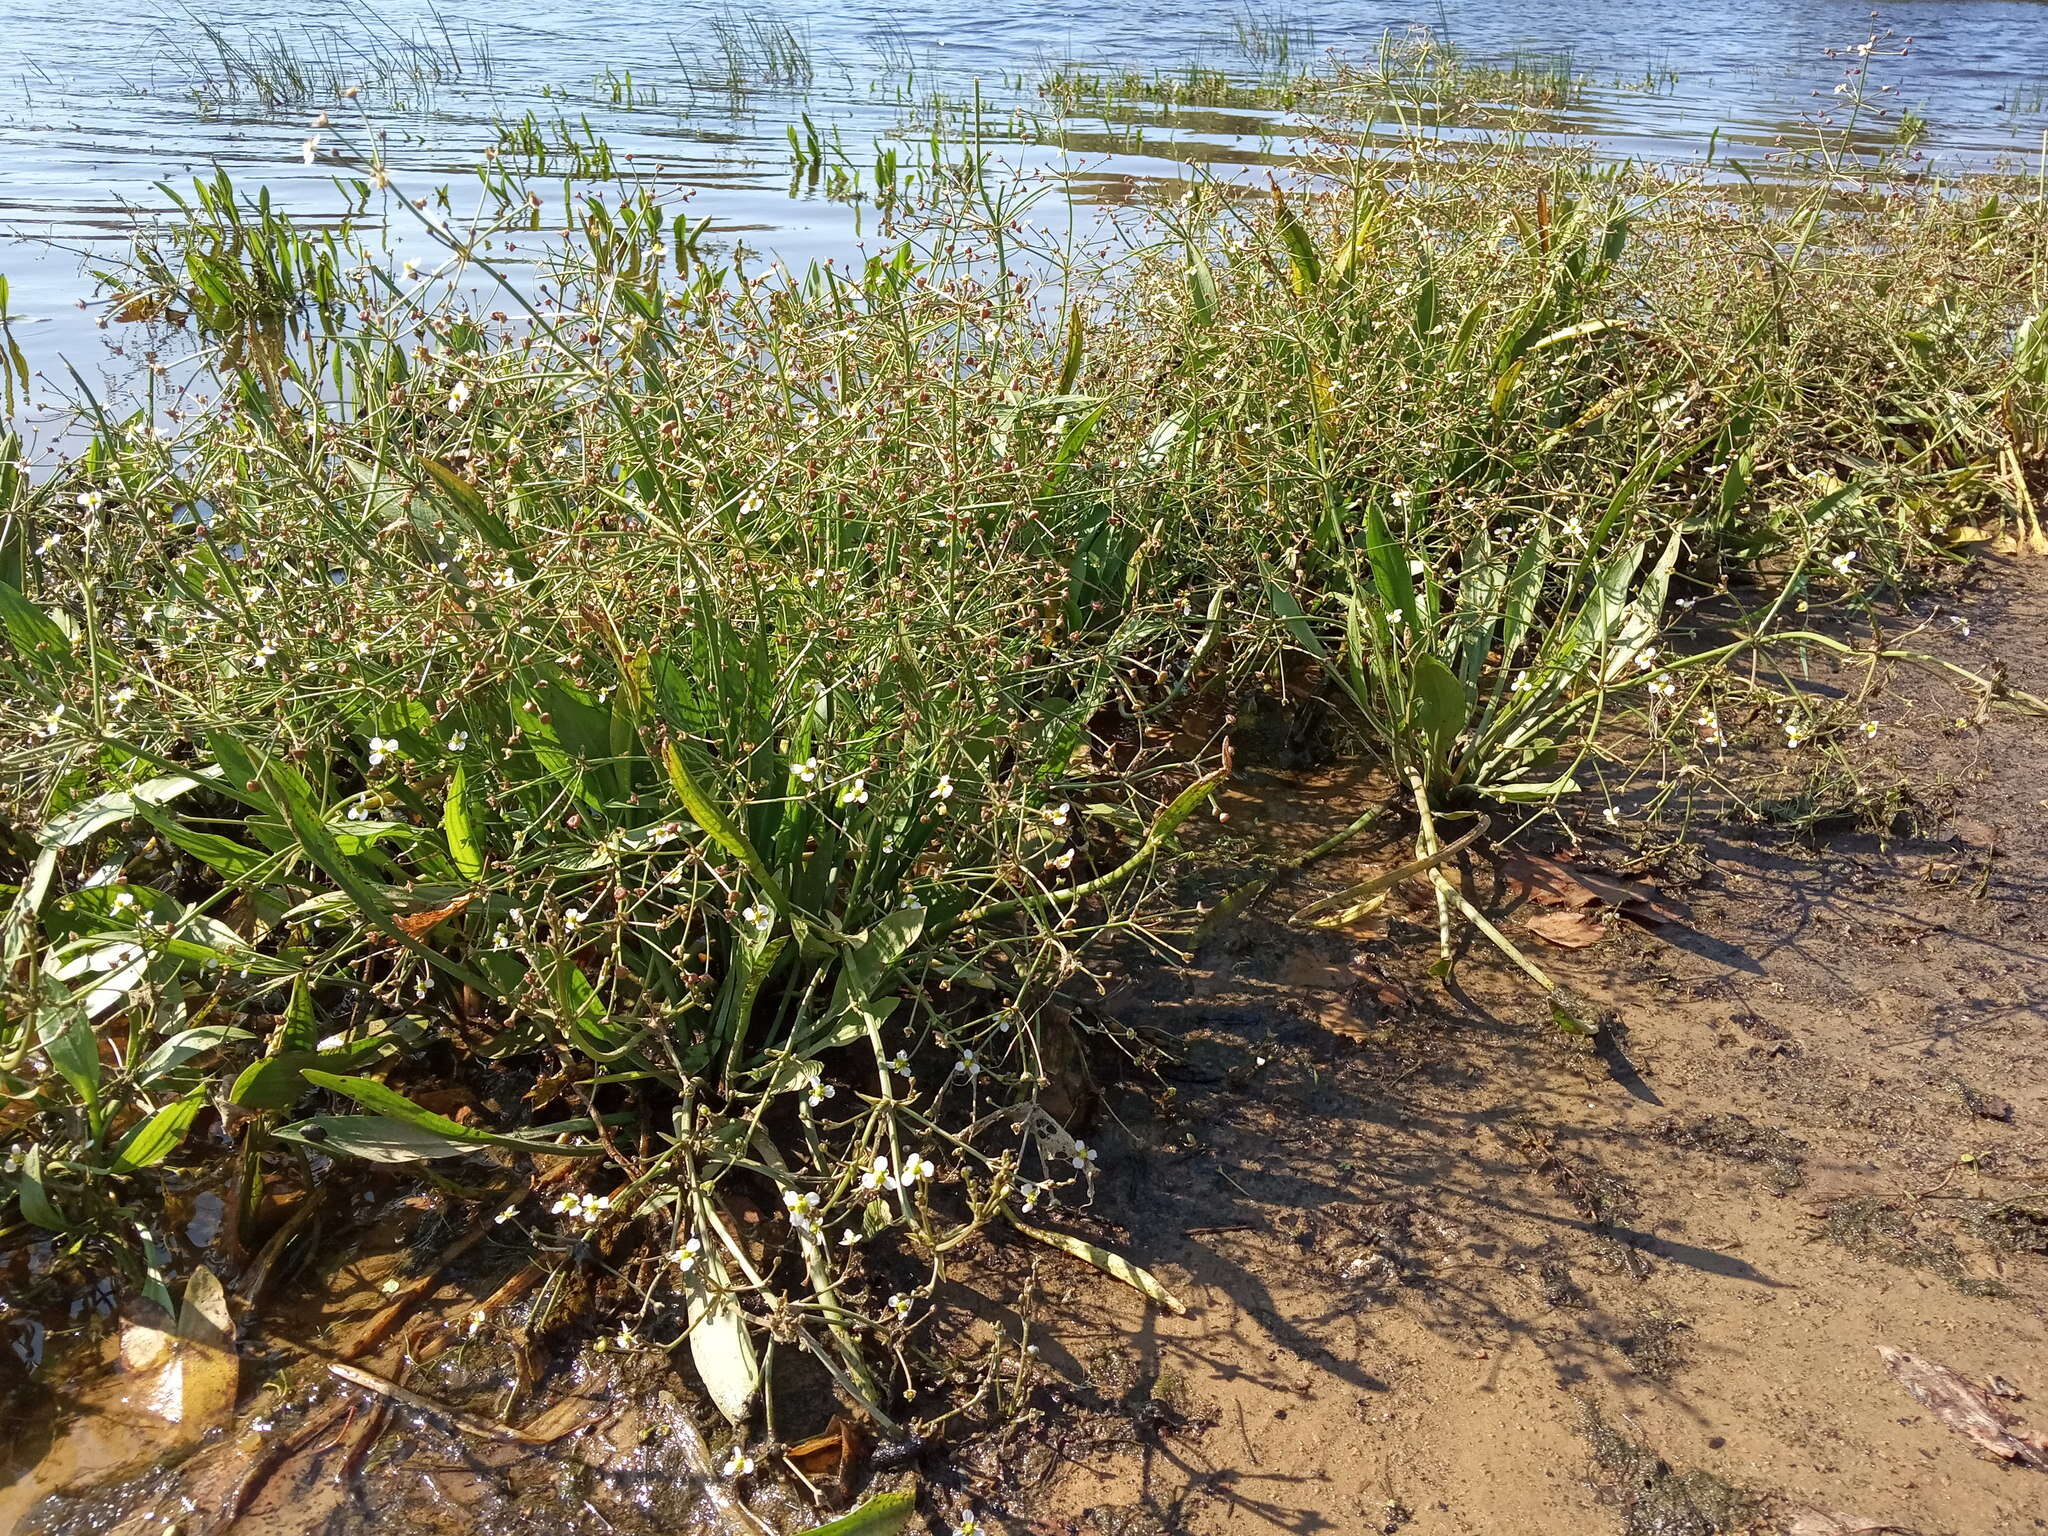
1561,883
835,1460
1567,929
1965,1407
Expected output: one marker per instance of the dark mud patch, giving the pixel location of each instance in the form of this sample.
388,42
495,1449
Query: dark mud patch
1655,1344
1651,1497
2010,1226
1782,1157
1892,1230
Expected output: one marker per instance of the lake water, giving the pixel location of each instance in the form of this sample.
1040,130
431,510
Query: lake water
104,99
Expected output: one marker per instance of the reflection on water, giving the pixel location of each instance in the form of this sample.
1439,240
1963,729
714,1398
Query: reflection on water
107,102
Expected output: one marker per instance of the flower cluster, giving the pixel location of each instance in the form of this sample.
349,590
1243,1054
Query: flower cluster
880,1175
803,1207
588,1209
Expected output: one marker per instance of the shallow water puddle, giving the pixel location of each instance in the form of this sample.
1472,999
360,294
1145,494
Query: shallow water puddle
169,1383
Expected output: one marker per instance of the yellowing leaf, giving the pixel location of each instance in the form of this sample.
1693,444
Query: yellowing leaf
1114,1265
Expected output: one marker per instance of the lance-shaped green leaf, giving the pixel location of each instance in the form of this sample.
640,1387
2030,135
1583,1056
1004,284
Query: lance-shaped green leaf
460,817
277,1081
82,821
160,1135
292,795
29,628
34,1200
389,1104
716,825
868,966
884,1515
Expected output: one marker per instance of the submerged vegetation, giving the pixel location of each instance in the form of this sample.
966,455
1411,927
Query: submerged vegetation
304,65
688,738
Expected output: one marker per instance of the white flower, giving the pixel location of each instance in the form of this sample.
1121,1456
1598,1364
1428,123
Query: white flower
900,1062
819,1091
807,771
967,1066
1058,814
1085,1156
918,1168
738,1464
685,1257
1663,685
848,1237
855,793
91,501
877,1176
50,724
756,916
1843,561
943,790
1710,727
1065,860
803,1209
382,747
572,917
587,1209
458,742
1868,728
1796,733
900,1304
309,150
261,659
458,397
968,1526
